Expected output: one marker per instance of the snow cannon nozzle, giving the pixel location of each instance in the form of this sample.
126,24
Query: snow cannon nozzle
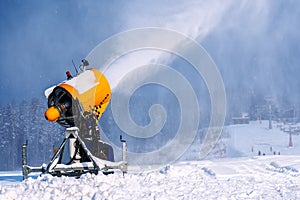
52,114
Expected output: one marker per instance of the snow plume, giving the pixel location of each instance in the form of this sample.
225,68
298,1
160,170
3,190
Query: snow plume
195,19
250,41
217,25
198,19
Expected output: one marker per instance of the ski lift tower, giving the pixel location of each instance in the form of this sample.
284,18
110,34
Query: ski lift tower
290,136
270,116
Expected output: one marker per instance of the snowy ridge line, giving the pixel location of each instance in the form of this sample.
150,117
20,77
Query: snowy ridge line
285,170
208,171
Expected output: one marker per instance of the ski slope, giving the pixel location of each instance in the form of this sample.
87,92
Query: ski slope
242,175
249,139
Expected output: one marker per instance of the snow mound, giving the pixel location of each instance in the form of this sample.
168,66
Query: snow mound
208,171
287,169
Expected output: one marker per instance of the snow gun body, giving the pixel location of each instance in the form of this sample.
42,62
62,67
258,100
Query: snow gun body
89,92
78,104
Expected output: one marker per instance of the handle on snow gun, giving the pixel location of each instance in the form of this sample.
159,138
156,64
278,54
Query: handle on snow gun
26,170
124,149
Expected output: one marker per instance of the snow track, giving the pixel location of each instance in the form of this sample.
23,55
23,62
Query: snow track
268,177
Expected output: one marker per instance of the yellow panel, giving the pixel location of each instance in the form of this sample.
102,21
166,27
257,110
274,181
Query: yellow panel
96,97
70,89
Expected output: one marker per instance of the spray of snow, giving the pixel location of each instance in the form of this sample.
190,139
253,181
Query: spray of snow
195,19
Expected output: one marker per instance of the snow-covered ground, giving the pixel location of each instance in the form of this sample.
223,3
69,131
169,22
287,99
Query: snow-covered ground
244,175
268,177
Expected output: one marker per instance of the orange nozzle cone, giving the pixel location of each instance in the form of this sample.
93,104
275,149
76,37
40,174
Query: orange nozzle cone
52,114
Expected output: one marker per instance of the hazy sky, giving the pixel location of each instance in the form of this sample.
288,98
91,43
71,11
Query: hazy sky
255,43
40,38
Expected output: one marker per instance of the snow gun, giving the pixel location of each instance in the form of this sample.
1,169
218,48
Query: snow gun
77,104
90,89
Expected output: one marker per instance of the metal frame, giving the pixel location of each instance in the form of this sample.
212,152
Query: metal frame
75,169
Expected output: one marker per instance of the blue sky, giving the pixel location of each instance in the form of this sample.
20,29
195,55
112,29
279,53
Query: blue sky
255,44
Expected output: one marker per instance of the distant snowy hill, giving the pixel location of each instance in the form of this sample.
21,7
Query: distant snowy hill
257,136
244,140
